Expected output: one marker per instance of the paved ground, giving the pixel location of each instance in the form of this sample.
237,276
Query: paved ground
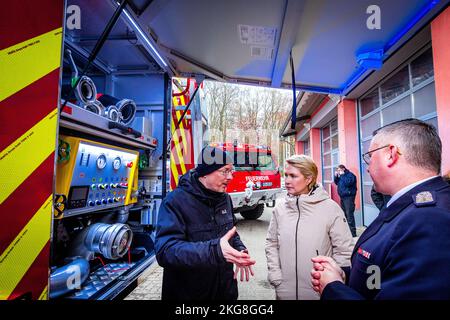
253,234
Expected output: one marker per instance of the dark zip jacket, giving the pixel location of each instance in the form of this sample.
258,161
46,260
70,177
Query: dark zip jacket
191,221
346,184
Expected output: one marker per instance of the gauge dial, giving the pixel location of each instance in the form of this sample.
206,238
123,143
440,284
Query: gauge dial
101,161
116,163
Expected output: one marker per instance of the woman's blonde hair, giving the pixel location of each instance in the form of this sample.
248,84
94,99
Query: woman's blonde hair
306,166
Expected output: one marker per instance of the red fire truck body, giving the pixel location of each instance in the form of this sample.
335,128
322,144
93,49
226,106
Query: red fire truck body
256,180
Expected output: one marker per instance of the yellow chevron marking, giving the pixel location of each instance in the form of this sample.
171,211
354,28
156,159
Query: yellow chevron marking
173,168
28,61
23,156
44,294
21,253
182,132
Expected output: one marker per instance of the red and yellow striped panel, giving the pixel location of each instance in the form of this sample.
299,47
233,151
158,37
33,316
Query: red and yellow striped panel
181,145
179,149
30,58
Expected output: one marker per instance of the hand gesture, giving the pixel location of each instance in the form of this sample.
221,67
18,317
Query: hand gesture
247,270
325,270
232,255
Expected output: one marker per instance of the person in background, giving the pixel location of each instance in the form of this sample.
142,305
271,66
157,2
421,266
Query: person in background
447,177
403,253
303,224
380,200
346,184
196,242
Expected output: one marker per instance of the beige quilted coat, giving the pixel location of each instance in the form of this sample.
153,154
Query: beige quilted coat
300,225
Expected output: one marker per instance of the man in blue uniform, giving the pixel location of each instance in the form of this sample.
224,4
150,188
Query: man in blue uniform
404,253
196,242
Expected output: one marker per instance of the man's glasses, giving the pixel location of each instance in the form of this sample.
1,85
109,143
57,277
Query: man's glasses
225,173
368,155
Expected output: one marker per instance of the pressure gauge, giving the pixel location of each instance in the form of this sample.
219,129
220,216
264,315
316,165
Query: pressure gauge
116,163
101,161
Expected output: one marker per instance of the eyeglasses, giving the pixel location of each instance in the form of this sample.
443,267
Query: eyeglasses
225,173
368,155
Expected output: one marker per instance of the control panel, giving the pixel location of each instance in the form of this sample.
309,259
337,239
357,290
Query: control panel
96,176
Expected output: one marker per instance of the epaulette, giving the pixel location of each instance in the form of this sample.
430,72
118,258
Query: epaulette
424,199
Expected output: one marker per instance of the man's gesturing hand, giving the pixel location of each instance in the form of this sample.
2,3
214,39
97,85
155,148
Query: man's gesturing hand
244,270
232,255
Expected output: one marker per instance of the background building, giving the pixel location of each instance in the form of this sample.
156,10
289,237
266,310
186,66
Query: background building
412,83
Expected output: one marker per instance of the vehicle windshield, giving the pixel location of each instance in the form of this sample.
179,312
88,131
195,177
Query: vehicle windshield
253,161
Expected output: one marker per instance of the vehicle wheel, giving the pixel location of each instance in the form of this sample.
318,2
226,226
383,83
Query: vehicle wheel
253,214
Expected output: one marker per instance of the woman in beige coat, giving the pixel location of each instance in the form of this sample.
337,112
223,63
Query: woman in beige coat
304,224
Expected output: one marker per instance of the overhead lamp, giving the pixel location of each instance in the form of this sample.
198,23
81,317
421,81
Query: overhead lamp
371,60
143,37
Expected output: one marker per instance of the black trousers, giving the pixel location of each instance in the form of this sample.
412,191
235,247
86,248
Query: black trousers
348,205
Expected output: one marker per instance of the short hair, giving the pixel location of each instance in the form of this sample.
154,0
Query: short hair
419,141
306,166
341,166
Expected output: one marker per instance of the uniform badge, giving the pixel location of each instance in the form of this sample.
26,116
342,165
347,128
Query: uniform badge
364,253
424,198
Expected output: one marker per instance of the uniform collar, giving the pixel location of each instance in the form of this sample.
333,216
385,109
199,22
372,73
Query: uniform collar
398,194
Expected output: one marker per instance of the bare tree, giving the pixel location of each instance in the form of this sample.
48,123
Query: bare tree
253,111
221,97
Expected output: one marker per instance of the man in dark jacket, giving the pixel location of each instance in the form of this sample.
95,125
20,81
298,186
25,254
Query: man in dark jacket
380,200
196,242
346,184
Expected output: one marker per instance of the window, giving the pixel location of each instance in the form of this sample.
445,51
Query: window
395,86
397,111
422,68
370,124
330,152
242,162
425,100
370,102
409,92
306,148
251,161
265,162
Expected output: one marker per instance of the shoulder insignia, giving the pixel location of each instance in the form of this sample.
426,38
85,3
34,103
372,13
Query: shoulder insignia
424,198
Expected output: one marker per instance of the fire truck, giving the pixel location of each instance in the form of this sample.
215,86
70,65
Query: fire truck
257,177
93,132
256,180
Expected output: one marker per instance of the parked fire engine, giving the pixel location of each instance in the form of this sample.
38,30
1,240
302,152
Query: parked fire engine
256,180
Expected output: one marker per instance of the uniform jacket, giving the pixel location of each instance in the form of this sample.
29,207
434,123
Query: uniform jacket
410,244
346,184
300,225
191,222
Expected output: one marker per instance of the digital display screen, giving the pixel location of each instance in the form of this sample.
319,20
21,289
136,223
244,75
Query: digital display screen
79,193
